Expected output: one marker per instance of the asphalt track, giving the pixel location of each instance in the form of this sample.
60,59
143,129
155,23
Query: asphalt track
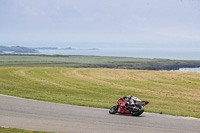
44,116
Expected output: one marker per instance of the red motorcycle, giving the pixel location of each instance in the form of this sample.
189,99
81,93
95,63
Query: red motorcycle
129,105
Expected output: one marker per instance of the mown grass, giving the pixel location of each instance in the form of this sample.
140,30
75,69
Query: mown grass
175,93
15,130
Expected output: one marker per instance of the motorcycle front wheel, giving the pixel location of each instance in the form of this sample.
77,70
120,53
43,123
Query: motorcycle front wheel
113,110
139,112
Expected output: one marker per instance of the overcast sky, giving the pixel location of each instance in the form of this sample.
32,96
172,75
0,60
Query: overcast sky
111,21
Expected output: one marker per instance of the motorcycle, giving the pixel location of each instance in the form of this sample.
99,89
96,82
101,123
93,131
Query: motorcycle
129,105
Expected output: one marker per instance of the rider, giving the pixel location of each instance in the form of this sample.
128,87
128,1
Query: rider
129,99
130,102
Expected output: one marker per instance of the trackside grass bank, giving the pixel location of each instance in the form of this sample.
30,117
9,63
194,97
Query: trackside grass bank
15,130
175,93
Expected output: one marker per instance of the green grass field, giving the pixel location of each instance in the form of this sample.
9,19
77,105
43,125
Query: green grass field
175,93
76,61
15,130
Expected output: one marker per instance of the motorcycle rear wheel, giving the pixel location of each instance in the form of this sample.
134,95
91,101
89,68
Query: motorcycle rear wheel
139,112
113,110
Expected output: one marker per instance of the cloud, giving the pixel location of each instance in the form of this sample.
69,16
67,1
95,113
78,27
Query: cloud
102,20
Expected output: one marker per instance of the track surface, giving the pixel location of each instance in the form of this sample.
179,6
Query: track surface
45,116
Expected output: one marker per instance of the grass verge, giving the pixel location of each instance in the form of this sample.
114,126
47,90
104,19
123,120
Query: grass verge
175,93
15,130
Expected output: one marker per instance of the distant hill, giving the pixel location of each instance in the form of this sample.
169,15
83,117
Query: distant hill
46,48
70,48
17,49
20,49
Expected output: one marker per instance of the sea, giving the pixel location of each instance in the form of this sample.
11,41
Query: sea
175,54
188,70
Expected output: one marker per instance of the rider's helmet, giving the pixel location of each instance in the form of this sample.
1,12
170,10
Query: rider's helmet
132,99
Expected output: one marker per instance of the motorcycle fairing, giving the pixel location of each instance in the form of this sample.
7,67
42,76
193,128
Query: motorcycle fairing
122,105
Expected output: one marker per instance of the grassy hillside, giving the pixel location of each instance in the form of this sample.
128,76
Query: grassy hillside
176,93
94,62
